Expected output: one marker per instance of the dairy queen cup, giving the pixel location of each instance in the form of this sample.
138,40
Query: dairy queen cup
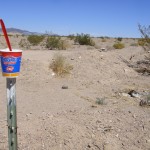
10,62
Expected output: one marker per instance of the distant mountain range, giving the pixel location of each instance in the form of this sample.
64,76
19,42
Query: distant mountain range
19,31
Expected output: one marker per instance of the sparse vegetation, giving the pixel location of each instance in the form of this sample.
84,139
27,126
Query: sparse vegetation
143,66
103,40
100,101
24,44
10,35
119,39
55,43
35,39
148,97
71,36
84,39
60,66
142,42
118,45
134,44
145,32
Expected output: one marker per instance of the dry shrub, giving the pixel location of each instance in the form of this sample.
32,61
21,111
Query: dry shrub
24,44
60,66
103,40
118,45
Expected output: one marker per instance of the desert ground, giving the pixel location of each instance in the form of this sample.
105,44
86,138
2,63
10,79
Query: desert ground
51,117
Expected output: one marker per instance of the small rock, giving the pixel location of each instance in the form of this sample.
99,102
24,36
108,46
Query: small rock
117,135
103,49
125,94
89,146
148,141
133,93
94,106
134,116
53,74
64,87
144,103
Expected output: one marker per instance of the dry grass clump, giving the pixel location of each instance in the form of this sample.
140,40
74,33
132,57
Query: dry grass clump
118,45
60,66
24,44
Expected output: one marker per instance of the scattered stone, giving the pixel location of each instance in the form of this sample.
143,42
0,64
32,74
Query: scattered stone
64,87
108,128
117,135
53,74
148,141
94,106
89,146
103,49
133,93
144,102
125,94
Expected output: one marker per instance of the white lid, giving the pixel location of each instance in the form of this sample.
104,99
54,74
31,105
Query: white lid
13,50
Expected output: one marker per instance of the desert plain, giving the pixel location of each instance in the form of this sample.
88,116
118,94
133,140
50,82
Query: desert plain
95,110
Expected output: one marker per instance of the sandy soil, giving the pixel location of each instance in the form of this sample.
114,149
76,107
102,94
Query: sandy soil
52,118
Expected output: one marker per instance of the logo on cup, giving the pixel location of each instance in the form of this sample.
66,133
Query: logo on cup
10,68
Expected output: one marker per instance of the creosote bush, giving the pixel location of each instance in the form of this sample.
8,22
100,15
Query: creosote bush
55,43
71,36
60,66
119,39
118,45
84,39
35,39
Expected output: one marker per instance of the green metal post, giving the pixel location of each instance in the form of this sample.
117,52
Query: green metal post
11,113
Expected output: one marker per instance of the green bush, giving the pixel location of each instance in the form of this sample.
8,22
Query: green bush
119,39
100,101
55,43
118,45
84,39
35,39
71,36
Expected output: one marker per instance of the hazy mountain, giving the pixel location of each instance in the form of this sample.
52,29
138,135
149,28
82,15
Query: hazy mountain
19,31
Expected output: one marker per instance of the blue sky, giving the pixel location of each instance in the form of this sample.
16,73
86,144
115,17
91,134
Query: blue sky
114,18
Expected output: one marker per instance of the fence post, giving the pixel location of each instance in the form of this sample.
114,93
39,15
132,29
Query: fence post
11,113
